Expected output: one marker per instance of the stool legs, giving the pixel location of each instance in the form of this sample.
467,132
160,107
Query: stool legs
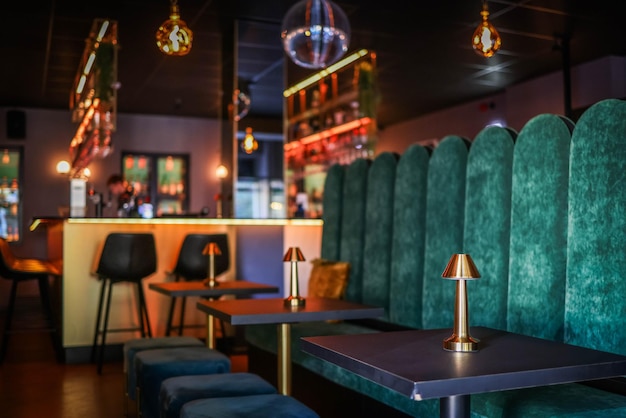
142,311
7,321
44,297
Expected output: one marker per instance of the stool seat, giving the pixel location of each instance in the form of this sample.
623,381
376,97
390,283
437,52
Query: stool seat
253,406
132,347
177,391
152,367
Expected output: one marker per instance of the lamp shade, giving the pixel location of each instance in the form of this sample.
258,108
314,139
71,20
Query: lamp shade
211,249
315,33
461,266
293,254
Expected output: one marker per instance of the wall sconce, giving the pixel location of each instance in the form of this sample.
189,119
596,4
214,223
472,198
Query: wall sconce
173,36
63,167
6,158
486,39
315,33
221,172
249,143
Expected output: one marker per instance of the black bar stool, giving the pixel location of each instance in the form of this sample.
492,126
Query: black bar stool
18,270
126,257
193,265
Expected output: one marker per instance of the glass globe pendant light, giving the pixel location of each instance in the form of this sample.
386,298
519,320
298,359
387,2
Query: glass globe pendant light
173,36
315,33
486,39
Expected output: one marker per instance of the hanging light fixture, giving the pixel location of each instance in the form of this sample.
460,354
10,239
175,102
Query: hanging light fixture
173,36
315,33
249,143
486,40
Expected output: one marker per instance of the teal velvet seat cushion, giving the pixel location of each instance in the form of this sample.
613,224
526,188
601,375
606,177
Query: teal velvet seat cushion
177,391
487,224
378,231
154,366
407,255
538,247
571,400
353,225
254,406
132,347
333,206
445,214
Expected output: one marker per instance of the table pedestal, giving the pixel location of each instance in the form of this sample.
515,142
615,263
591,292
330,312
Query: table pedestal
284,358
457,406
210,331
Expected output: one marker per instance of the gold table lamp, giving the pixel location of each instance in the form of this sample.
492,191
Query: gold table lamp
294,255
461,268
211,249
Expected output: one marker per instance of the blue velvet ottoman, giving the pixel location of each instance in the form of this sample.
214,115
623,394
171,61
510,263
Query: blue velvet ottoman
177,391
253,406
154,366
132,347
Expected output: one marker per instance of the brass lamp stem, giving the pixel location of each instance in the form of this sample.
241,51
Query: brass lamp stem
460,340
294,299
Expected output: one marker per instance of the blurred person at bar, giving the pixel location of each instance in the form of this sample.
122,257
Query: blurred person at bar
125,195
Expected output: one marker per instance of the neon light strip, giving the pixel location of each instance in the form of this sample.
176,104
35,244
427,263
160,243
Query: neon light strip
328,133
325,72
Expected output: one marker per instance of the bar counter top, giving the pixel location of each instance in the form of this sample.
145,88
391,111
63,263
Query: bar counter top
39,221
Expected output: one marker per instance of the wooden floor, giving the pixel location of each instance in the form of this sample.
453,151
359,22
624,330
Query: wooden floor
33,384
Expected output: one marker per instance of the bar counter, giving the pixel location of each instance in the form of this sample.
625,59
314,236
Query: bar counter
256,250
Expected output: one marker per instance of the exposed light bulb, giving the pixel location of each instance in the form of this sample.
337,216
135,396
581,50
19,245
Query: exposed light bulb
6,159
249,143
63,167
221,172
315,33
173,36
486,39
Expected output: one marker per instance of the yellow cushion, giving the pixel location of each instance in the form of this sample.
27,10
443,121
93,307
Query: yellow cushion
328,278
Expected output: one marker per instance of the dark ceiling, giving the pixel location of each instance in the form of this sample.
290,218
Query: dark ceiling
425,60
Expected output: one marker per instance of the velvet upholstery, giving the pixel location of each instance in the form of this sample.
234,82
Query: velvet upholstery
594,286
571,400
177,391
409,224
332,204
445,212
379,231
154,366
134,346
353,225
539,228
487,224
595,302
254,406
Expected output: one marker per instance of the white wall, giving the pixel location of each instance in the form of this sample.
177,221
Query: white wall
601,79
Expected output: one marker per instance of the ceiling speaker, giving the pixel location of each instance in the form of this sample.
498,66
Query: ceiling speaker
16,124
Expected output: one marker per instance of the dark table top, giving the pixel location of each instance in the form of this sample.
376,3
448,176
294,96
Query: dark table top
273,311
415,364
197,288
